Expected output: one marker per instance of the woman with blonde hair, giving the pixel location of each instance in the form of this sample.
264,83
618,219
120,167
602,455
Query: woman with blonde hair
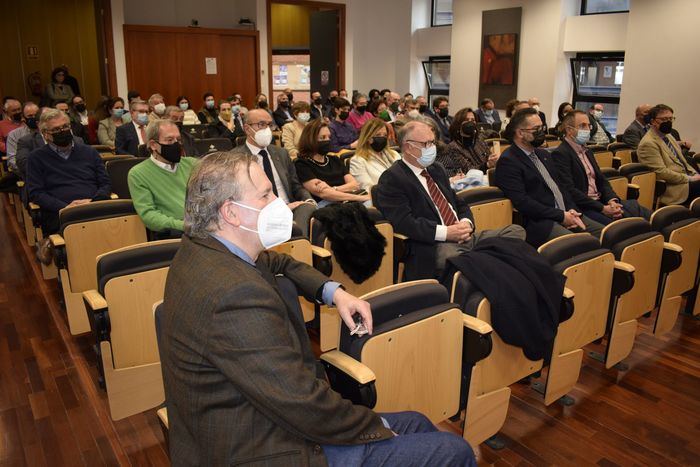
291,132
373,155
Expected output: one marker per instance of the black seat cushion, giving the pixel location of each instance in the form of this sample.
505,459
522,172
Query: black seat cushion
669,215
632,169
481,195
567,247
118,171
467,296
619,231
96,211
134,260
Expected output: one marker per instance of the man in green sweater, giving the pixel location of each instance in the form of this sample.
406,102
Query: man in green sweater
158,184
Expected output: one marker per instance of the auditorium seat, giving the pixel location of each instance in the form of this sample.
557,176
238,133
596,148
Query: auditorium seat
129,281
490,207
87,231
209,145
118,171
622,151
649,187
197,131
619,183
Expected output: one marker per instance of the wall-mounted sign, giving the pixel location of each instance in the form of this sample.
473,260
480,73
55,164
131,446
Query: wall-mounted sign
210,65
324,78
32,52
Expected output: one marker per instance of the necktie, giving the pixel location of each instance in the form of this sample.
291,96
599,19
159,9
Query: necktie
267,167
439,199
679,158
143,134
558,198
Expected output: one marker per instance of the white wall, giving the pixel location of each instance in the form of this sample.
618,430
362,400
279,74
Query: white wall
596,33
662,62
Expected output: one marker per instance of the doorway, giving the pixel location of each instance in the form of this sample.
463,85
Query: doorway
306,47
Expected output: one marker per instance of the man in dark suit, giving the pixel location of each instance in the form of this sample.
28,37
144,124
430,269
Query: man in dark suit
528,177
282,113
176,115
241,381
278,167
131,135
580,175
318,110
440,113
486,113
636,130
414,194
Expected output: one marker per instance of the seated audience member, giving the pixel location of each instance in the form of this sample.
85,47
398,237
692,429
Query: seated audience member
512,107
392,101
63,173
282,113
291,132
440,114
130,136
534,102
101,110
635,131
207,114
359,115
28,143
191,117
373,94
290,96
487,113
158,184
71,80
373,155
227,126
278,167
82,124
529,178
261,103
328,105
343,134
467,150
422,105
237,110
410,109
177,116
57,90
156,106
326,177
378,109
107,131
580,175
599,134
318,110
662,153
265,400
133,95
564,108
12,110
414,194
343,93
30,125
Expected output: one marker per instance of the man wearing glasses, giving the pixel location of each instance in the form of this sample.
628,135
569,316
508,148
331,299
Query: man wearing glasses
528,177
63,172
278,167
660,151
415,196
580,175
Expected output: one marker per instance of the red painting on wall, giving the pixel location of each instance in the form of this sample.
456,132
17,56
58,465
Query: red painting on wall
498,59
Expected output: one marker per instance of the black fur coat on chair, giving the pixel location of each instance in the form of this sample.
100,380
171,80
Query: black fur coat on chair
357,244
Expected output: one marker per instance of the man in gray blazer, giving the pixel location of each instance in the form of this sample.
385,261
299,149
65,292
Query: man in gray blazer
242,386
638,128
278,167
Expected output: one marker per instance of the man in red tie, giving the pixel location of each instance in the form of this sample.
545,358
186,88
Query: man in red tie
415,195
132,135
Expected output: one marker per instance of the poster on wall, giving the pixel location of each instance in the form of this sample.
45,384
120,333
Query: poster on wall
498,59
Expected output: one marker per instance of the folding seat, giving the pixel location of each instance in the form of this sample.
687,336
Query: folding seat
679,226
649,187
120,312
106,157
644,251
622,151
552,141
209,145
87,231
605,158
620,185
329,320
490,207
197,131
118,171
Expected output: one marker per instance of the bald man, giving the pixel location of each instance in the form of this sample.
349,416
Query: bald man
636,130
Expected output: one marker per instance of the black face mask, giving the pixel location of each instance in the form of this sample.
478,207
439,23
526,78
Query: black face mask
666,127
394,107
344,115
422,108
378,143
318,101
538,138
17,117
468,133
444,112
63,138
262,104
171,152
361,109
324,147
80,107
290,97
285,104
31,123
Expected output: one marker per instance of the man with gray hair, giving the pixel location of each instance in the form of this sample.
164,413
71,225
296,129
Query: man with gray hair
415,196
63,173
12,110
241,381
131,135
176,115
156,104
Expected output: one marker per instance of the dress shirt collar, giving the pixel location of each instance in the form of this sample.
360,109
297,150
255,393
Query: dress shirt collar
164,165
254,149
576,147
527,152
64,153
233,248
414,169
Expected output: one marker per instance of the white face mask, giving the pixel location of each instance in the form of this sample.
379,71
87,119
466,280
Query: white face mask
274,223
159,108
303,117
413,113
597,114
536,107
263,137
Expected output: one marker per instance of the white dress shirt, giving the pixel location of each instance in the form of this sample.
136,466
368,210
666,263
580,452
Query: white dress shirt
138,131
164,165
281,192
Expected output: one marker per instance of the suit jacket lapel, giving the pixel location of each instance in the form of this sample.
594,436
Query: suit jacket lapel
281,168
418,186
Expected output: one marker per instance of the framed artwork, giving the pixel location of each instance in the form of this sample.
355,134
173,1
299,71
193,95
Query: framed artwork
498,59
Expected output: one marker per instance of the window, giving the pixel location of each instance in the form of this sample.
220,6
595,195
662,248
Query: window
437,74
442,13
596,7
598,80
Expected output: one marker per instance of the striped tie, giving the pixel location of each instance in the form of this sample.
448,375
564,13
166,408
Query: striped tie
448,217
551,184
679,158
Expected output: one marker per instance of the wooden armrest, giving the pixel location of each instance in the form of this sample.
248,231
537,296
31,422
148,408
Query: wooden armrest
633,186
673,247
356,370
624,266
568,293
33,206
163,416
57,240
400,236
320,252
475,324
20,184
94,300
113,196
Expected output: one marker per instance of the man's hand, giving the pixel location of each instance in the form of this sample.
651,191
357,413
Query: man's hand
348,305
78,202
459,232
572,220
613,210
456,177
294,205
694,178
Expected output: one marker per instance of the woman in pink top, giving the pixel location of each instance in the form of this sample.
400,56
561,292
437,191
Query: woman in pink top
359,115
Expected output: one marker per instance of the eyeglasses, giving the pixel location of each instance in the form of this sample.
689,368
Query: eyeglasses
261,125
537,128
667,119
583,126
421,144
58,130
170,141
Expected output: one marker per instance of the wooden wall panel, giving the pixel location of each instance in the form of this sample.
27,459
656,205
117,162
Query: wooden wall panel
170,60
290,26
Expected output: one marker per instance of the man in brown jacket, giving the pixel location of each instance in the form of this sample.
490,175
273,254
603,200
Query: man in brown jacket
242,385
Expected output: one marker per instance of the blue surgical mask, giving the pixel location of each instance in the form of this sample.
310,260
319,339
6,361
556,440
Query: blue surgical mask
488,112
184,106
142,118
118,113
427,156
236,109
582,136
